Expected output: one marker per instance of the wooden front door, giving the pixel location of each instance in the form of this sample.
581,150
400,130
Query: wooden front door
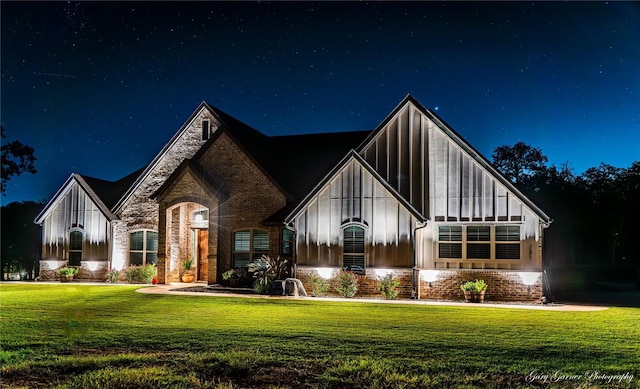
202,253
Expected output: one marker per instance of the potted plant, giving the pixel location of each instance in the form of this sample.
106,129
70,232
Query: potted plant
187,276
67,273
474,291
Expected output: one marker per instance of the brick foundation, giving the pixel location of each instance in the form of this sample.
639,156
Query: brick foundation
503,286
368,284
88,271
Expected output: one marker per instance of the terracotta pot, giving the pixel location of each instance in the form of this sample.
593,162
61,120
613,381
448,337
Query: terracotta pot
473,297
66,277
187,277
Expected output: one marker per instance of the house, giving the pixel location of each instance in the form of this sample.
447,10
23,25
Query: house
411,197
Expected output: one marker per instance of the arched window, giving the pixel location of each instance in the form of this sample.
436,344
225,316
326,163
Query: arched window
75,247
143,247
353,247
249,245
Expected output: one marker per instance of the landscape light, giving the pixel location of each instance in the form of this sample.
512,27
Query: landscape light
429,276
383,272
529,278
325,272
92,265
53,264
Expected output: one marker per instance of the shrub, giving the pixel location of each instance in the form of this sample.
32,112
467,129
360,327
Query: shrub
319,286
347,284
265,270
113,276
388,286
140,274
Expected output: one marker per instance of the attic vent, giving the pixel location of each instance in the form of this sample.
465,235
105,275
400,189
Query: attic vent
205,129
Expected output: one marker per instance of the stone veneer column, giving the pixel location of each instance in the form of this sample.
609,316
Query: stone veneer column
162,244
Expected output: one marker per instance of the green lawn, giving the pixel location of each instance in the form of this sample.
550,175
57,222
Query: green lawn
77,336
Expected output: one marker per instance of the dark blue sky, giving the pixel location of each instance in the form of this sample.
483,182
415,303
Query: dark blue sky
99,88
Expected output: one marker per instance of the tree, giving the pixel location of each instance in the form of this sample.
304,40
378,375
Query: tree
17,158
519,162
21,239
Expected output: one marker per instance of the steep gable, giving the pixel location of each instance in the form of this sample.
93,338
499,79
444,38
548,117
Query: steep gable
437,171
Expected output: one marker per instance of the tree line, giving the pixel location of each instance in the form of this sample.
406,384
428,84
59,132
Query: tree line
594,213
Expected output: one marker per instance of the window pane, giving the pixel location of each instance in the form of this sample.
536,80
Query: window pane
137,240
478,250
508,251
135,258
450,250
478,233
353,240
450,233
75,258
242,241
261,241
287,242
75,240
241,260
349,260
152,241
508,233
152,258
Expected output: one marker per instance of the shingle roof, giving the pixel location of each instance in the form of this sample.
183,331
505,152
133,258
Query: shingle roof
111,191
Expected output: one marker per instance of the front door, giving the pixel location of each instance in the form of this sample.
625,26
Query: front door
201,252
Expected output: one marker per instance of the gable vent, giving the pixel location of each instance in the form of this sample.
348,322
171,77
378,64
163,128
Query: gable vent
206,132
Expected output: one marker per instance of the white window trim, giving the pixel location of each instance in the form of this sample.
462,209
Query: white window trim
144,250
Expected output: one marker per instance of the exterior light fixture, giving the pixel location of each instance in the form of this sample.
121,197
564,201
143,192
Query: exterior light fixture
529,278
198,217
429,276
325,272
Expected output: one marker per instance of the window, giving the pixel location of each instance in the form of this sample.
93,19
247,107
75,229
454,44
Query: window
479,242
287,242
504,236
450,245
143,248
75,248
205,129
475,242
249,245
353,251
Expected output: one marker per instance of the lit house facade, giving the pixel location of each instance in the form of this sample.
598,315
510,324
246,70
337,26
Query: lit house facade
411,197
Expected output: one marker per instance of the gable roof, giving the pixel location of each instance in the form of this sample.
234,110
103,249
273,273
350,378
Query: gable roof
461,142
200,175
354,156
103,193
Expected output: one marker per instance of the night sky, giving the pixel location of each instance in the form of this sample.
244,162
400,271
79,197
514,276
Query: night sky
99,88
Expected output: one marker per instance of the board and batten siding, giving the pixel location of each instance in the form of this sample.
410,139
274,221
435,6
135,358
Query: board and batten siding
75,211
354,196
442,180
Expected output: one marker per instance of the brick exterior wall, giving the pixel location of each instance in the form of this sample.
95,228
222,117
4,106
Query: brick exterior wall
367,284
252,197
502,286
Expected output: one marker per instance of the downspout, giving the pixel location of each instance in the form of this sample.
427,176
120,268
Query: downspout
294,250
415,279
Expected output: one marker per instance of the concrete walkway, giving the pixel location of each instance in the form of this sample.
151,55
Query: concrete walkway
169,289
